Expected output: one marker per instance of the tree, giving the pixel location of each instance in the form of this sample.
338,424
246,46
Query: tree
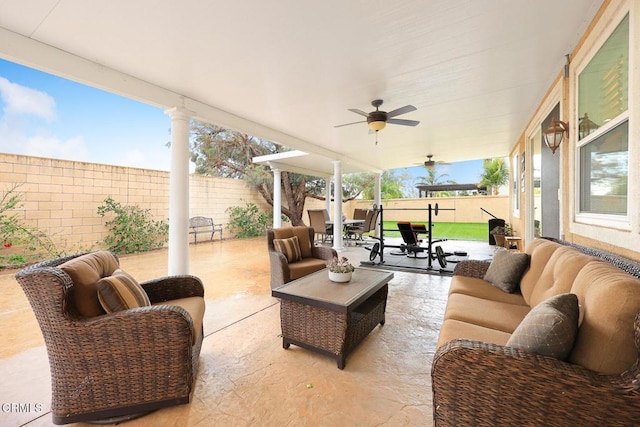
217,151
495,174
433,178
390,185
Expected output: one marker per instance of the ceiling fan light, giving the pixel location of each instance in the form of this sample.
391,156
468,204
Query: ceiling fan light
377,125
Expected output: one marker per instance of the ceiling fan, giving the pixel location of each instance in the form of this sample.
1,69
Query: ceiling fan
378,119
430,163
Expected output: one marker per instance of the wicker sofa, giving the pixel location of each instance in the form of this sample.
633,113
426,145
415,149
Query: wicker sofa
478,380
312,258
114,366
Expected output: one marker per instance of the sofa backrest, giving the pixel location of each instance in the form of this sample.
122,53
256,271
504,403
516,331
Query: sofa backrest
558,274
540,251
304,235
609,299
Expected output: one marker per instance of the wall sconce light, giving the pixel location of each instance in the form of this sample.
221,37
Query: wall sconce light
554,134
586,126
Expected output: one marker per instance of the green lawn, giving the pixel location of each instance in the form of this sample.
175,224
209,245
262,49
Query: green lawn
447,230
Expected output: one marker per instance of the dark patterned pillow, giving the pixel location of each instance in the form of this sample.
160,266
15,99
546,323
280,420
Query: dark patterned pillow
120,292
550,328
290,248
507,269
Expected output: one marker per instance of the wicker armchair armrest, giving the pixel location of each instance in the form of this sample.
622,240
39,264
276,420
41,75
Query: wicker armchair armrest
471,268
280,273
477,383
173,287
323,252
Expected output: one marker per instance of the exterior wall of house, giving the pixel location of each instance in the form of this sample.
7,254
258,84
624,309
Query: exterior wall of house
624,239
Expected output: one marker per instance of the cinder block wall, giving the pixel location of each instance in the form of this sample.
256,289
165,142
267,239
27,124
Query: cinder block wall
61,197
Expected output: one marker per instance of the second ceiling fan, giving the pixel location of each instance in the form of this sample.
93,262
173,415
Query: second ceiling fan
378,119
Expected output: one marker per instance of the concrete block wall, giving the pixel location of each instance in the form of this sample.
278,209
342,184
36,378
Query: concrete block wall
61,197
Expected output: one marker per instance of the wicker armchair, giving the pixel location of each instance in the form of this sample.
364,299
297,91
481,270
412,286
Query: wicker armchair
120,365
314,258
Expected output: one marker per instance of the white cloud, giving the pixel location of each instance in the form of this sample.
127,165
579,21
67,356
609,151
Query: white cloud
20,99
52,147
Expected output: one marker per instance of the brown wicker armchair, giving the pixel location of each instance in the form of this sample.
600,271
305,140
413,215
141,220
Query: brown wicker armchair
116,366
314,258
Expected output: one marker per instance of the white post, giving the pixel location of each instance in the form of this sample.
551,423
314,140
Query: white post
337,206
327,200
179,192
277,198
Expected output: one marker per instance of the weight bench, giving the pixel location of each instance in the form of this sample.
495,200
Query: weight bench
202,224
409,235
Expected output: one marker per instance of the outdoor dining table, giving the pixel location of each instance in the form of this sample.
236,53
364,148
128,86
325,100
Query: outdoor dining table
346,224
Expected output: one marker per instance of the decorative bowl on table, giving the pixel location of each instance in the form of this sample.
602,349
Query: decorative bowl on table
340,269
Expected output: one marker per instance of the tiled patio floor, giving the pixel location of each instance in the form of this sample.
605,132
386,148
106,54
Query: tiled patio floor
245,376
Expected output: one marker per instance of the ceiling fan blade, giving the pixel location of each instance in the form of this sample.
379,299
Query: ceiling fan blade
403,122
349,124
401,110
355,110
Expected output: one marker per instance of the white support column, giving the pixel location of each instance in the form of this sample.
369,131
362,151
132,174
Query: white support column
277,198
377,198
337,206
327,200
179,192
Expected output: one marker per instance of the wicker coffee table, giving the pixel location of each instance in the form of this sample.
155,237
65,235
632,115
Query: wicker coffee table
332,318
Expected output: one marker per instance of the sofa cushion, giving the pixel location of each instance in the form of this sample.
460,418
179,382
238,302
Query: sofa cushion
480,288
306,266
290,248
85,271
539,250
482,312
120,292
609,300
558,274
452,329
506,269
550,328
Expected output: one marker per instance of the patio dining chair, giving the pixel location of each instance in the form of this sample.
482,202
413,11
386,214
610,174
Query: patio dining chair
318,221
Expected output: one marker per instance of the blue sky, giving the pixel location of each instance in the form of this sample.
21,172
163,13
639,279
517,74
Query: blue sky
48,116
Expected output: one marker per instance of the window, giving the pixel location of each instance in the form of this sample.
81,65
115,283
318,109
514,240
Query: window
603,128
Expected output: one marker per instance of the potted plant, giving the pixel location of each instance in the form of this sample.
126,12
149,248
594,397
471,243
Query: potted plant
499,232
340,269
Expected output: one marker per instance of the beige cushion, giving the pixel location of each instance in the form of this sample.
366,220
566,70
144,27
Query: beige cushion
452,329
195,306
540,250
550,328
302,233
120,292
85,271
506,269
489,314
609,300
290,248
306,266
558,275
482,289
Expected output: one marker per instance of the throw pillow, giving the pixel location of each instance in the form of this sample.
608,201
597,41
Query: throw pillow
120,292
290,248
550,328
507,269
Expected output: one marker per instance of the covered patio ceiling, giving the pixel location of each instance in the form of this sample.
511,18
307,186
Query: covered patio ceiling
289,71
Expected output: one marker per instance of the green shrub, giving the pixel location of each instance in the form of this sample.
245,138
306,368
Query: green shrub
21,244
248,221
132,229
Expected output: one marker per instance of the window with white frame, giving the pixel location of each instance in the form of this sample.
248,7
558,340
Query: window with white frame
603,129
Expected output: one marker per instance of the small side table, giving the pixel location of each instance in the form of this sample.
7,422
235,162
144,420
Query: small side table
513,243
